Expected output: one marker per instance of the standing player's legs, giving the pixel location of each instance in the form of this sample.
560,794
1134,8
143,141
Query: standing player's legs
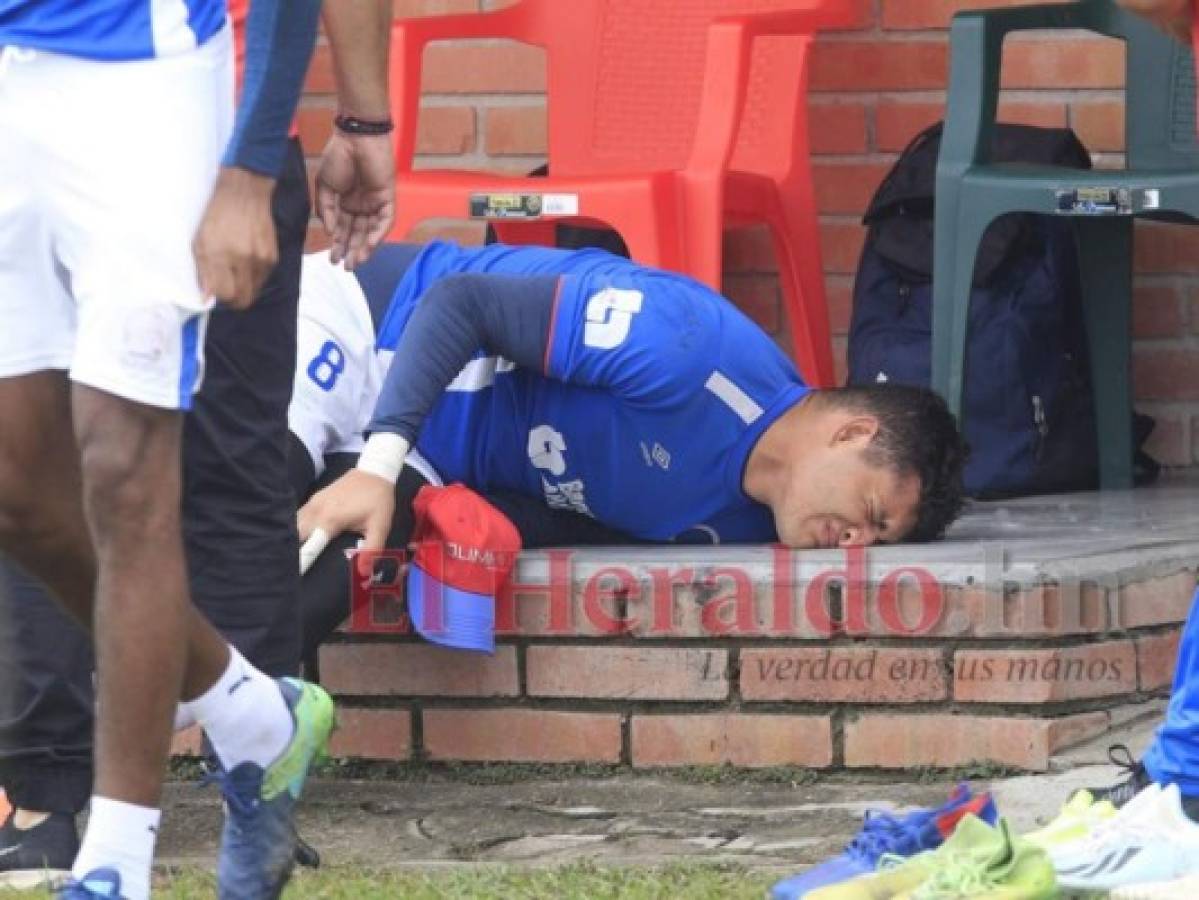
117,213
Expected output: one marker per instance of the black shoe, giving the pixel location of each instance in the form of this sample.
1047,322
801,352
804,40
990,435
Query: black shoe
306,854
39,857
1136,780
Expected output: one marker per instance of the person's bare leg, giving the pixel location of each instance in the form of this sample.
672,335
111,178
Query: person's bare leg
130,457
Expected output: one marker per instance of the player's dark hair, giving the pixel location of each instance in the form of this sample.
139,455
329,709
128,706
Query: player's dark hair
917,435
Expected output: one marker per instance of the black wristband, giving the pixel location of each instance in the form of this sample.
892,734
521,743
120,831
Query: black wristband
351,125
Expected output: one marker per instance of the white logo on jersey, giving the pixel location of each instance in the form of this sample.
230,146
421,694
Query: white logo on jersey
609,316
567,495
547,450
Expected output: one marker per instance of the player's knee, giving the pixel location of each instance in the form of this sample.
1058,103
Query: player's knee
130,475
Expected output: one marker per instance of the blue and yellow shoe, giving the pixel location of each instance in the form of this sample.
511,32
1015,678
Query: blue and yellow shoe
258,844
102,884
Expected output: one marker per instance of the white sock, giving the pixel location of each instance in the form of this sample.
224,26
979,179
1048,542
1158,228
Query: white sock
120,836
244,715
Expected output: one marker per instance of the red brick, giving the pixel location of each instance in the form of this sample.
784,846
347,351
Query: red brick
1058,64
839,290
445,130
1044,675
873,65
906,15
883,740
515,130
841,245
1100,125
758,297
1158,311
1161,248
1156,656
1166,372
441,130
733,739
1071,731
483,68
837,127
564,611
521,735
1165,600
372,734
749,250
627,673
844,675
847,187
899,120
1040,611
320,79
416,670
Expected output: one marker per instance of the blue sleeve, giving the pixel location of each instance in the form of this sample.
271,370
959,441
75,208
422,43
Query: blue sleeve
280,35
458,316
653,341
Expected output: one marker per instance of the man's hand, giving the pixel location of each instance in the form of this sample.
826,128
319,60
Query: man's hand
357,502
235,247
355,194
1175,16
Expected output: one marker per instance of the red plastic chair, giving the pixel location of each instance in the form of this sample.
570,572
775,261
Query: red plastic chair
668,120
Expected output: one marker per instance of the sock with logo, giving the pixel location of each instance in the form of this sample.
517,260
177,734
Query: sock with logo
120,836
243,714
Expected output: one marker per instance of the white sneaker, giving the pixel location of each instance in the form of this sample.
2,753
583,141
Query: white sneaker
1181,889
1150,840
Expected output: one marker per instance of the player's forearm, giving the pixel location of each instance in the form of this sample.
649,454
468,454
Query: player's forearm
360,36
280,35
460,315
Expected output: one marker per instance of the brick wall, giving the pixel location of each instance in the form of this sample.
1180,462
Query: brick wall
1010,678
872,90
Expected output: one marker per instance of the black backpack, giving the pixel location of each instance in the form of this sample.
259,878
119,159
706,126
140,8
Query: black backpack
1028,404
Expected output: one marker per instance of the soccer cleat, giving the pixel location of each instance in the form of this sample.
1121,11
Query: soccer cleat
1179,889
100,884
1136,777
259,841
1150,840
38,857
1078,818
1016,870
884,834
972,839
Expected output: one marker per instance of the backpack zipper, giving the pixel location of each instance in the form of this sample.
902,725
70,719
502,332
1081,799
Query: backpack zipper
1038,418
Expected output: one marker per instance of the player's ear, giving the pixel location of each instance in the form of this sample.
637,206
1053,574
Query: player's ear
855,431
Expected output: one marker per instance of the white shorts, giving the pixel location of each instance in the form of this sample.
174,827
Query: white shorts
105,171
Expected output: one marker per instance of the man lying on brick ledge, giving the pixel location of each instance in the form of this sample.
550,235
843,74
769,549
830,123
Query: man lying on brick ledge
583,382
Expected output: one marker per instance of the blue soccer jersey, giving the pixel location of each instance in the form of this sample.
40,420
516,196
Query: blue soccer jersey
653,391
110,29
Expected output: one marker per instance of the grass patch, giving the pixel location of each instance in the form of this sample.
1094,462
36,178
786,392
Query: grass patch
580,881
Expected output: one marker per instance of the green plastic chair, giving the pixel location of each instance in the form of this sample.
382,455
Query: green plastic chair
1161,181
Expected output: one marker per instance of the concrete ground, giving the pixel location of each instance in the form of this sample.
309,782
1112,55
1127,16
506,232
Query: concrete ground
630,819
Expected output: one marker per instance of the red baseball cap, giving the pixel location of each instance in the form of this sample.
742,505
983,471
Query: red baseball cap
464,552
